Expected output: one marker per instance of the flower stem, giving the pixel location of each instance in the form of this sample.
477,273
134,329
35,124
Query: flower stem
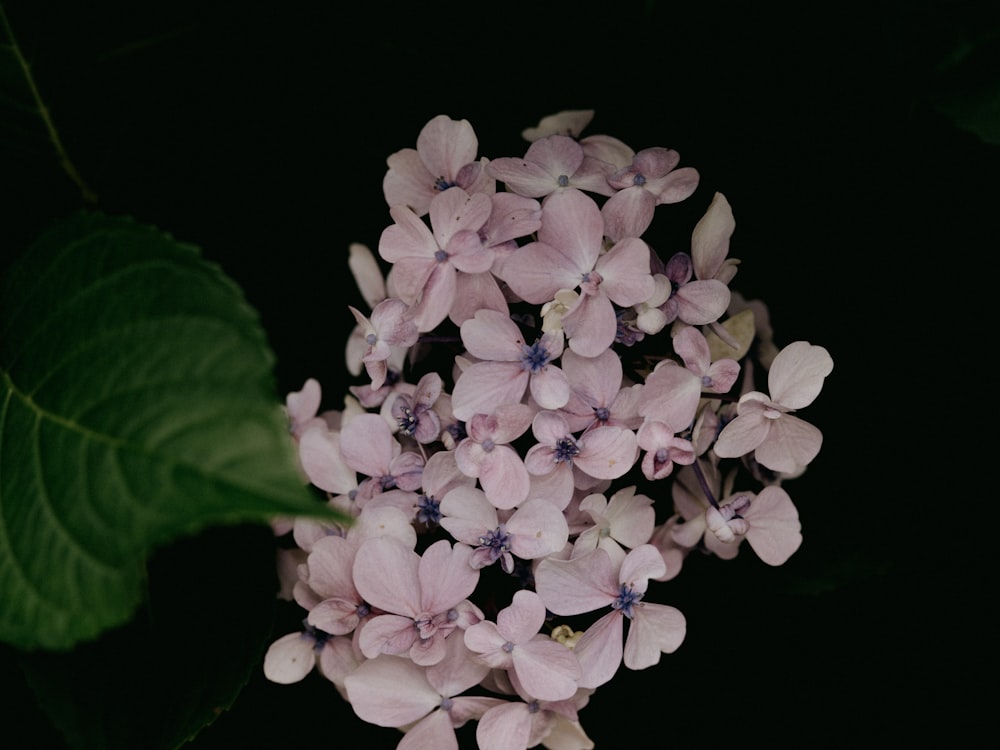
704,483
88,195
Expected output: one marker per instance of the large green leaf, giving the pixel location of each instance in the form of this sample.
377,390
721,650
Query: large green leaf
137,404
178,664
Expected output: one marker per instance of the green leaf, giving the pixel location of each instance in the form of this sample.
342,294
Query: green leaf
137,404
966,88
172,670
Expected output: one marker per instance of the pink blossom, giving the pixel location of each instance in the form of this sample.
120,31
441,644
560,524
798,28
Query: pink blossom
710,242
486,454
765,424
518,725
597,394
545,668
535,529
650,180
509,367
368,446
591,582
329,569
290,658
716,377
424,596
389,327
768,521
663,449
321,460
302,406
445,157
693,301
670,395
619,524
690,504
413,413
425,702
567,255
440,475
552,163
426,263
601,453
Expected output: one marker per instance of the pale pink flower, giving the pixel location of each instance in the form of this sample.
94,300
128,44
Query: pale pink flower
768,521
693,301
445,157
670,395
543,667
690,503
413,412
567,255
424,702
424,597
426,263
536,528
765,424
321,460
619,524
508,367
553,163
372,398
440,475
329,569
597,394
649,181
389,327
368,446
663,449
601,453
518,725
511,218
372,285
367,274
486,454
592,582
710,242
716,377
302,406
291,658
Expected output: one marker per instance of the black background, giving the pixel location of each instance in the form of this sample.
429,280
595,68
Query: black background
864,219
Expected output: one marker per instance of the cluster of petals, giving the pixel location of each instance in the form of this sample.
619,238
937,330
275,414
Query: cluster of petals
506,427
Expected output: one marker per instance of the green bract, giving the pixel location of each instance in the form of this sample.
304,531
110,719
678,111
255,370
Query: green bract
137,404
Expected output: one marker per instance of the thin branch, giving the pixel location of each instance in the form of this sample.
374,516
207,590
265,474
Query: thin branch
88,195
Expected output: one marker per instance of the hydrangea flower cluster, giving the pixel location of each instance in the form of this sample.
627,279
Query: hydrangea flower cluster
549,416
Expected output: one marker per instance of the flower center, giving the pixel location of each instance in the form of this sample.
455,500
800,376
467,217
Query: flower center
627,600
428,510
566,449
497,542
407,421
534,357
